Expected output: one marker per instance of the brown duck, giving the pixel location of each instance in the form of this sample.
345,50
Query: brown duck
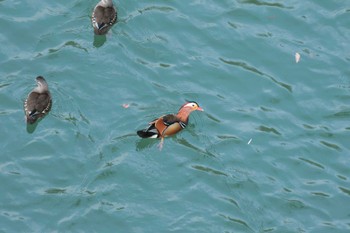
103,17
38,102
170,124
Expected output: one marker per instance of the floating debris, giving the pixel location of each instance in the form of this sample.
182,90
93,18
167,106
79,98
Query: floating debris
297,57
250,141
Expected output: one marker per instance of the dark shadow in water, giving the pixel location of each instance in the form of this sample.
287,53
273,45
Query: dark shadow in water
99,40
146,143
31,127
185,143
123,137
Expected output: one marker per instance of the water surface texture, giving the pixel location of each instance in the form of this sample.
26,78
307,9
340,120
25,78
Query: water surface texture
269,154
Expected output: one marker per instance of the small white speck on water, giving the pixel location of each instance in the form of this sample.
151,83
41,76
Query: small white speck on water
250,140
297,57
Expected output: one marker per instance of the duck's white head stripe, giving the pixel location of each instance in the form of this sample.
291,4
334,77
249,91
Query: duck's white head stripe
191,104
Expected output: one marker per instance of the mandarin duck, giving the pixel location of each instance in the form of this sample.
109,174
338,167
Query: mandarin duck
170,124
103,17
38,102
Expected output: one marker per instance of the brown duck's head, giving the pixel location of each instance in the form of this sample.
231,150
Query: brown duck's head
42,85
106,3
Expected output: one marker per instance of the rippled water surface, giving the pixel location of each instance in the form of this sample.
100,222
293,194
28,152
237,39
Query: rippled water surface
270,153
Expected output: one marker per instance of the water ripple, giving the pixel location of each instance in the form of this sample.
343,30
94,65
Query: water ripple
310,162
52,51
331,145
321,194
254,70
84,164
230,200
55,191
345,190
208,170
262,3
268,130
238,221
165,9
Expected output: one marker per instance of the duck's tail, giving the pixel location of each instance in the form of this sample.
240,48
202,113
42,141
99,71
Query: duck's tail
145,133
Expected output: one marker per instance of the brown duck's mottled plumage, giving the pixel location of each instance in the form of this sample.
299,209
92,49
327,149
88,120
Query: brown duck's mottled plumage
169,124
103,17
38,102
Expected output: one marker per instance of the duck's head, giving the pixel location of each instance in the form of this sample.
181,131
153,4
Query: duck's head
191,106
106,3
42,85
186,109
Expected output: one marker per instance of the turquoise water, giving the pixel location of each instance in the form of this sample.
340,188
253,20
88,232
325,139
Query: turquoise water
269,154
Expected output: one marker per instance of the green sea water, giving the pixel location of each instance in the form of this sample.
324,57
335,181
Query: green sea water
270,153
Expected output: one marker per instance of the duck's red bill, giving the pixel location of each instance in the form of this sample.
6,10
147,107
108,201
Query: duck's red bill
200,109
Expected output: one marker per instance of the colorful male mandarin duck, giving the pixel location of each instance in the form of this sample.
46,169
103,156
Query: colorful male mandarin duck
38,102
103,17
169,124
